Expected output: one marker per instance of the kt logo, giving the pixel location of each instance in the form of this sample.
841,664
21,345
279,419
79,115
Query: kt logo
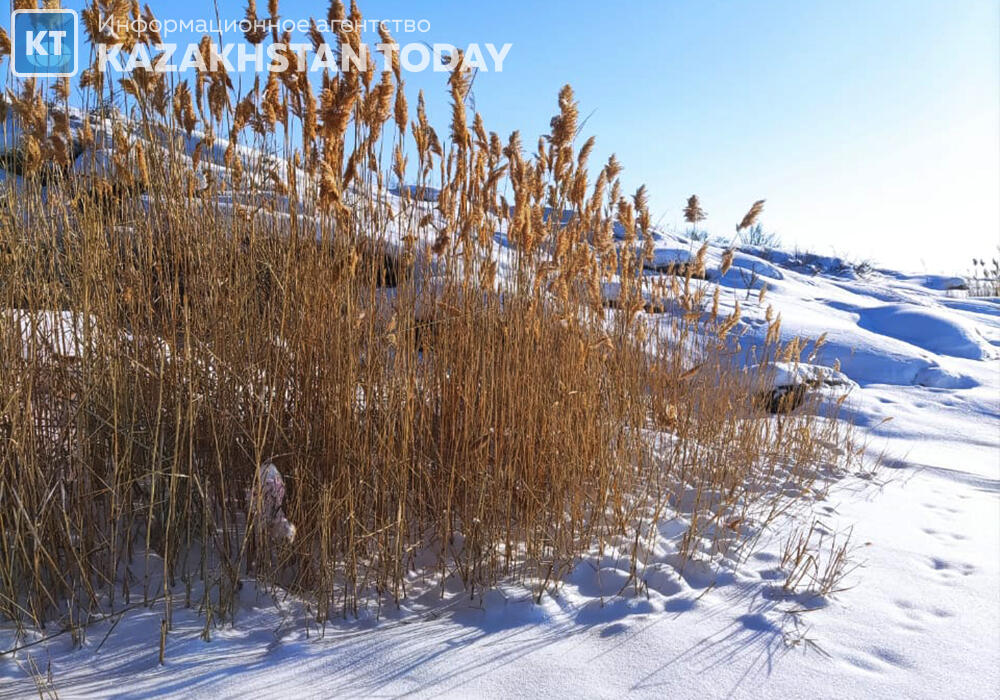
44,43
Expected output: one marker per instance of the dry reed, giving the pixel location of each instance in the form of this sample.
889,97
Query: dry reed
161,343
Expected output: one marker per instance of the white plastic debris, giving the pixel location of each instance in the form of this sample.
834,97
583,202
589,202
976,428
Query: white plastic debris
272,486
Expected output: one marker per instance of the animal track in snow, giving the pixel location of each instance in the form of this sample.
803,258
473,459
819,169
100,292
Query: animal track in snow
950,569
916,618
879,660
946,536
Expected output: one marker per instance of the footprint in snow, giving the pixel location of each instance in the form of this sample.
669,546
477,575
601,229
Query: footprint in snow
615,629
916,618
950,568
891,657
877,659
679,605
946,536
756,622
772,574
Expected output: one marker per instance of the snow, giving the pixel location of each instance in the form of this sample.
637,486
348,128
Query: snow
938,331
792,373
61,333
663,258
920,621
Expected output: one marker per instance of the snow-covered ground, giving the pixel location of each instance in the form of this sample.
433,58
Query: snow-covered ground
920,616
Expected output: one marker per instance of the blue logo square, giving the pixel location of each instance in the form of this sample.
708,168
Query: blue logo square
44,43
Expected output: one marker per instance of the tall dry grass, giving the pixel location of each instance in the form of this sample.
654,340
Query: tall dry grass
171,318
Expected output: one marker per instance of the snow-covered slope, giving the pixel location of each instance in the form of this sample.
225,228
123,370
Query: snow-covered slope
920,617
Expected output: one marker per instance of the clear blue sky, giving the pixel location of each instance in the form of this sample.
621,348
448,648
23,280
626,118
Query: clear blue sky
872,128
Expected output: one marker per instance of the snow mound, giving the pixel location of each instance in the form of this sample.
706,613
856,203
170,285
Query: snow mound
935,331
796,373
938,377
665,257
757,265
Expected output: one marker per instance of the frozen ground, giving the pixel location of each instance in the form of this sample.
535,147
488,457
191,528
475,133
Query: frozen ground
919,619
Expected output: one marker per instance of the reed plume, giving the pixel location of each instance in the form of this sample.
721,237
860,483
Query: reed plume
751,216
